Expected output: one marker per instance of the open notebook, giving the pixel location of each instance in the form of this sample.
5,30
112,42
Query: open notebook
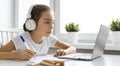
98,48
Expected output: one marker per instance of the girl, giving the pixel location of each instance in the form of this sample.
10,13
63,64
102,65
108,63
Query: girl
37,37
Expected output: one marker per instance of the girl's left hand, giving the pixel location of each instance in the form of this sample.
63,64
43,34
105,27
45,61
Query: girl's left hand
60,53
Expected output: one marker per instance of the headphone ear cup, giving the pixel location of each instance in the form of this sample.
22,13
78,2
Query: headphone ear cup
30,24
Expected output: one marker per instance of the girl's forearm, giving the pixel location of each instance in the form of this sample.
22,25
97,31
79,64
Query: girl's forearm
70,50
8,55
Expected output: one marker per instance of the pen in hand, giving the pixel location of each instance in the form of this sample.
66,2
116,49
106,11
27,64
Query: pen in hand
23,40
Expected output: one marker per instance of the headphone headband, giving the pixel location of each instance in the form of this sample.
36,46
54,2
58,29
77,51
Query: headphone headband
30,23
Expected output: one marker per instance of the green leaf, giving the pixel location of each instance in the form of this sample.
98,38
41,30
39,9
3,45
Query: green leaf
115,25
72,27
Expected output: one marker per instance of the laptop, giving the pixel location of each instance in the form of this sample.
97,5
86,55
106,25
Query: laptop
98,47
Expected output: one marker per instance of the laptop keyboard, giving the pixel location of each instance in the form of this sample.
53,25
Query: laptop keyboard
88,56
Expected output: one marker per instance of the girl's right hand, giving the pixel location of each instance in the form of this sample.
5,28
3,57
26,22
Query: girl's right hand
25,54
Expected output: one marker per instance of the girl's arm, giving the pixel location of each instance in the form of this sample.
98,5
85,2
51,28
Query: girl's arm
6,52
7,47
64,49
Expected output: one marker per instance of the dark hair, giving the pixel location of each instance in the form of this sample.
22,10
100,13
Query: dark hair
36,13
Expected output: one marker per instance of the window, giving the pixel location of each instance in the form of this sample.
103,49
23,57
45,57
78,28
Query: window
88,13
7,15
22,9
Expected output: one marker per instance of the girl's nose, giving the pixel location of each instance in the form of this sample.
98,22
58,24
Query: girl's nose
51,26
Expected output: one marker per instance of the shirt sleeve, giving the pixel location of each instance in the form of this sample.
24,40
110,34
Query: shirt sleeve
53,39
19,45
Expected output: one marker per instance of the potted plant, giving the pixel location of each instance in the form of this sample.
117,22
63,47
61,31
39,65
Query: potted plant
72,30
115,29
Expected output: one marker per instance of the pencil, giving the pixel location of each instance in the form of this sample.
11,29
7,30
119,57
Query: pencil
49,61
46,63
55,62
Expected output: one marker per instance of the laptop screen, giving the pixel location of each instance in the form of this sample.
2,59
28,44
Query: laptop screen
100,41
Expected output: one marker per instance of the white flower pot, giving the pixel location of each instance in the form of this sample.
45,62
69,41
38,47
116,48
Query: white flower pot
115,37
72,37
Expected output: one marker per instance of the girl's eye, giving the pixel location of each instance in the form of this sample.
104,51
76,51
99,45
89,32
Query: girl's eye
47,22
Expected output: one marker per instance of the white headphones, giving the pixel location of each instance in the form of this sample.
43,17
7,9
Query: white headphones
30,24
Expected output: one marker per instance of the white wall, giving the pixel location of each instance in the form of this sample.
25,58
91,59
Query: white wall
7,13
13,13
22,9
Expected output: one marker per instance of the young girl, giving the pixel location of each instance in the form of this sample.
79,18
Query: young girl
37,38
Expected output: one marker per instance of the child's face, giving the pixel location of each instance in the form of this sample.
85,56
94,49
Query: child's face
45,24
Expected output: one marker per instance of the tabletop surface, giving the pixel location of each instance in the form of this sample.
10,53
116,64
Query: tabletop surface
105,60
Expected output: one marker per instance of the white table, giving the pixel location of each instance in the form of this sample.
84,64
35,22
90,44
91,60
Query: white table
105,60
